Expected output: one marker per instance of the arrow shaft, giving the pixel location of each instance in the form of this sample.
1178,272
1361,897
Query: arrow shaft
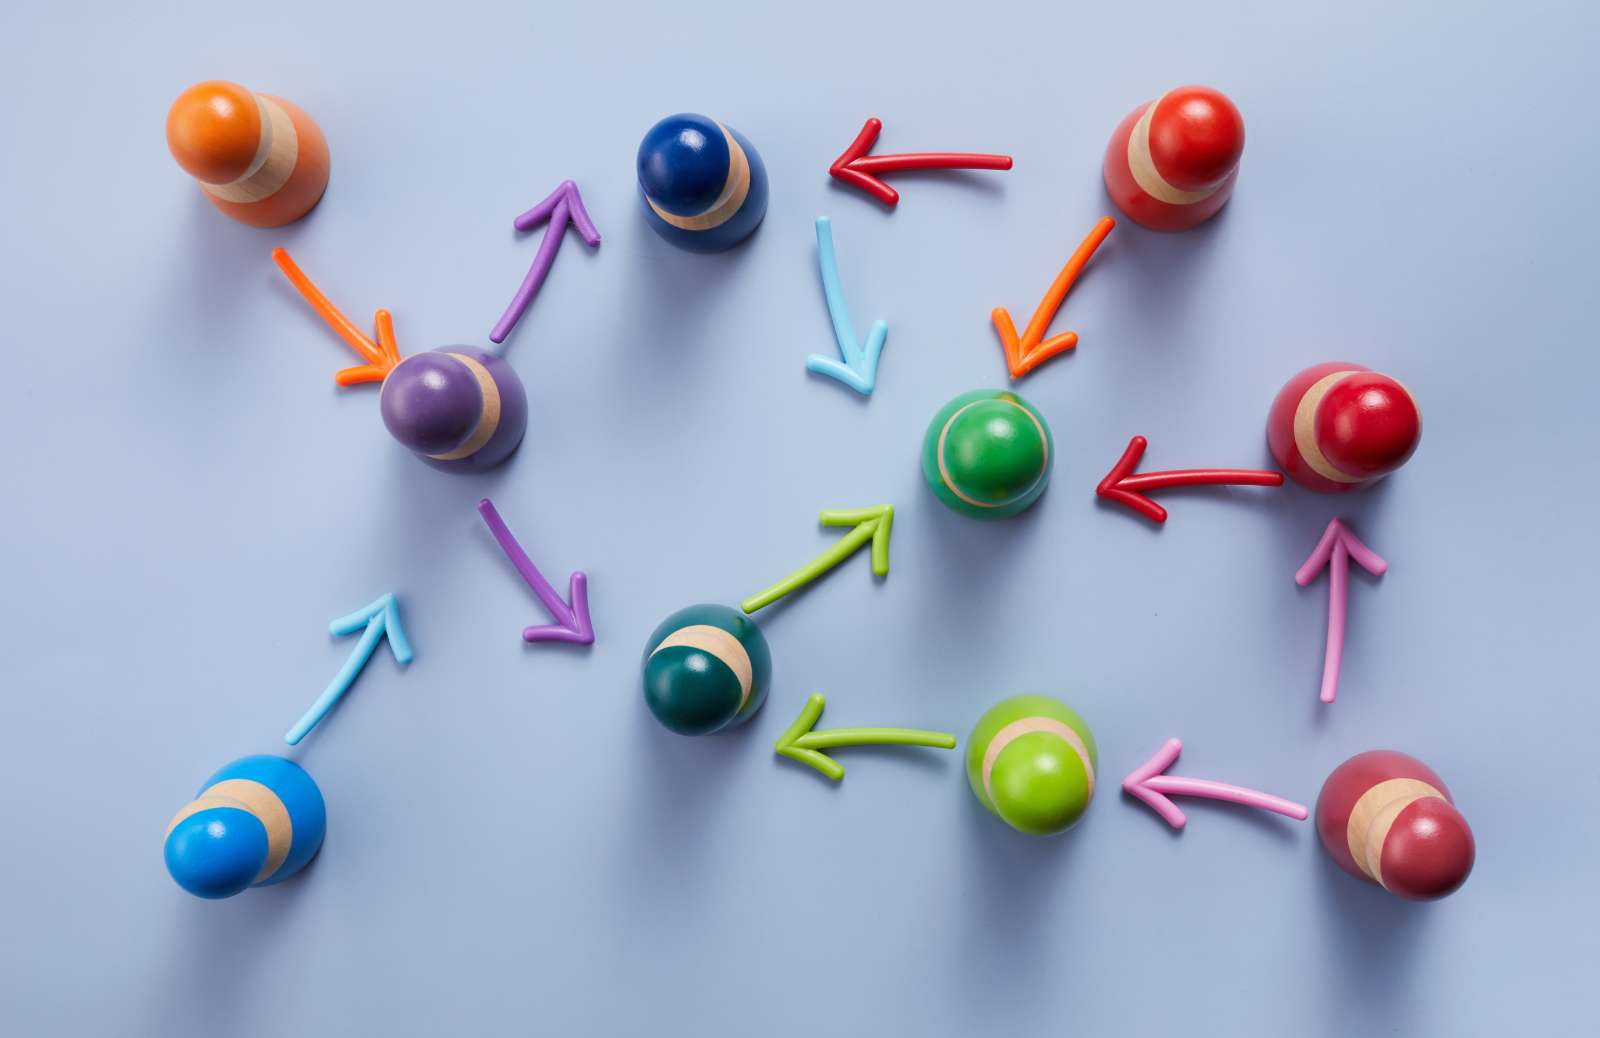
524,565
873,164
843,332
381,356
1199,477
875,737
1338,606
1033,335
537,272
1171,785
836,554
341,681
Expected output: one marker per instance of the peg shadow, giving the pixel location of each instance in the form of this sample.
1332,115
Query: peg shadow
961,601
1014,880
677,292
1168,270
219,259
221,943
682,783
1372,944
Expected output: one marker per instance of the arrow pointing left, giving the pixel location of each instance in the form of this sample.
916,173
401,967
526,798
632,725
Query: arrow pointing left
1127,489
860,368
800,743
380,618
562,205
1151,786
871,524
858,169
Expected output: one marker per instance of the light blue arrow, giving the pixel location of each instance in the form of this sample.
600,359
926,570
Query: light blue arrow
860,368
380,618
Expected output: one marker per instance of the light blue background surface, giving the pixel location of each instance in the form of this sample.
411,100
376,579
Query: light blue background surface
514,846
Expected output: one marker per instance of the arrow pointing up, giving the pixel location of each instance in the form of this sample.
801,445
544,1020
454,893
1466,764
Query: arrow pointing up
572,622
1127,489
860,368
1149,784
800,743
380,618
562,205
1334,551
871,524
381,357
856,168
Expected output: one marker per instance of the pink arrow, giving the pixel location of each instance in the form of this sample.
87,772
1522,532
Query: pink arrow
562,205
1149,784
572,622
1339,546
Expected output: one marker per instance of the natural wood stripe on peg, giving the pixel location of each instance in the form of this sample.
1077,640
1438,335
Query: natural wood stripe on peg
1374,815
1025,726
727,203
720,644
1143,167
1305,428
944,433
253,798
488,419
274,161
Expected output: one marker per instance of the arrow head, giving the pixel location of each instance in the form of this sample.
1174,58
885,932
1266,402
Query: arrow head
788,743
566,192
842,168
859,369
572,620
879,519
1137,784
1023,355
1338,535
383,615
859,373
1110,487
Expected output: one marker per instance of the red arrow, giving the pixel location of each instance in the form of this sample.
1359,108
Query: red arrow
857,168
1121,486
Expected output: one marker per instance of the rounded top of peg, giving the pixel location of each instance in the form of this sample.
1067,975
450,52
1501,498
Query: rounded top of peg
683,163
1196,137
214,131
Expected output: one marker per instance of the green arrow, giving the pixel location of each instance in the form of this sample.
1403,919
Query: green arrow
871,524
799,742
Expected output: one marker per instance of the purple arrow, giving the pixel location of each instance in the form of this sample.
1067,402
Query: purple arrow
572,622
563,204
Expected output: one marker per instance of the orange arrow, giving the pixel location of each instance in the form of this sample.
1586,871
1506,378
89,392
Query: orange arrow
381,356
1033,349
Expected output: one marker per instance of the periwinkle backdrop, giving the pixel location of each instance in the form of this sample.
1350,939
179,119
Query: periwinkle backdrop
514,846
